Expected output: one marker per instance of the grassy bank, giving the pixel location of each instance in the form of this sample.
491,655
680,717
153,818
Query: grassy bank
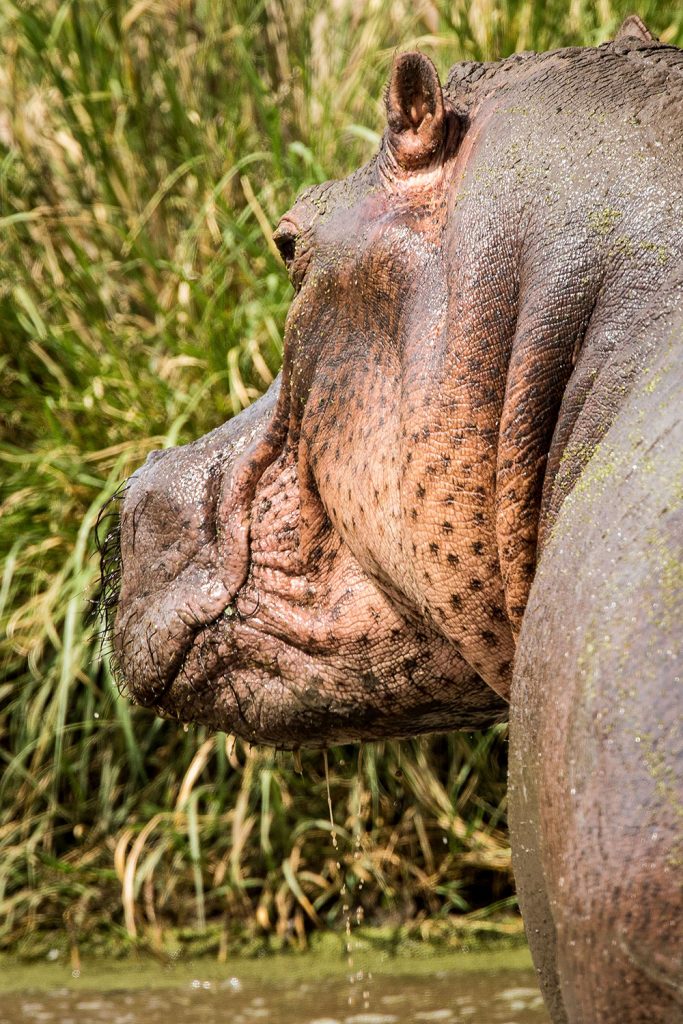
146,149
395,954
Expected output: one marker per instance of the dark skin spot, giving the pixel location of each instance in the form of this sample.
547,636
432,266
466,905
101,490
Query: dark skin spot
504,668
447,527
476,584
434,548
477,547
489,638
452,558
420,491
497,613
413,514
456,601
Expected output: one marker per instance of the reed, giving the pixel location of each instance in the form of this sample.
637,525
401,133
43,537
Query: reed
146,149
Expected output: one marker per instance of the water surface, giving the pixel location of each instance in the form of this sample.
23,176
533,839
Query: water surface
453,989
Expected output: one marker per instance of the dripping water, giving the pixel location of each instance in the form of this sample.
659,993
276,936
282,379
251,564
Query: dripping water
348,912
343,891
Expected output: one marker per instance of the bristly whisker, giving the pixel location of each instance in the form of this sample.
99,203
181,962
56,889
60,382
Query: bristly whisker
108,544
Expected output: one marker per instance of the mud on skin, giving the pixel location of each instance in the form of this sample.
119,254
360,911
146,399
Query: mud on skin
482,312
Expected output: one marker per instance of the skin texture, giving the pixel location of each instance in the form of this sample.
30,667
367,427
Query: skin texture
467,489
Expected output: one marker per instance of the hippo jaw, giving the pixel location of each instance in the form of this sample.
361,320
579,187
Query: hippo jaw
297,647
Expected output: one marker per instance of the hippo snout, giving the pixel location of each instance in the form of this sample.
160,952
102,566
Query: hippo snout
176,573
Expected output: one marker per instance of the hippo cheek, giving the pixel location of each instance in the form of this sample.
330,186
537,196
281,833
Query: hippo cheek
254,678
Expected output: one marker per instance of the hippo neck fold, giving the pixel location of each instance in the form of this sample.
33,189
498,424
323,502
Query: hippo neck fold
558,240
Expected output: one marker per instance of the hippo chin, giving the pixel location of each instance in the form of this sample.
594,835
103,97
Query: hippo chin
464,495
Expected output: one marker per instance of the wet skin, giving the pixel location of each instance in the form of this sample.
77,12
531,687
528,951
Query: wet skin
464,495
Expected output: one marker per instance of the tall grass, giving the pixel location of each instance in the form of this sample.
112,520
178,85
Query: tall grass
145,151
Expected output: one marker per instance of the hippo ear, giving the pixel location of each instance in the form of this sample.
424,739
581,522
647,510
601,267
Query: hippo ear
634,28
415,110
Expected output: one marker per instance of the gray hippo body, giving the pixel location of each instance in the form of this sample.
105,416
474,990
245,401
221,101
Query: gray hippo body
466,490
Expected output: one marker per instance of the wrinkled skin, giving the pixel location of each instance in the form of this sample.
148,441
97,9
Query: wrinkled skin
482,376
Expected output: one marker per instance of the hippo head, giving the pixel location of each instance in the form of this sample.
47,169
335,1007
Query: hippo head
350,558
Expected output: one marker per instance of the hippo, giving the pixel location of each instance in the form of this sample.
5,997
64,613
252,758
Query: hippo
462,499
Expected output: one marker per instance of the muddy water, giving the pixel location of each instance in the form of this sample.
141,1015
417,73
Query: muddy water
457,989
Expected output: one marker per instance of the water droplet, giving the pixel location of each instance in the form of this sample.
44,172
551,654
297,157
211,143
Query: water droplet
329,803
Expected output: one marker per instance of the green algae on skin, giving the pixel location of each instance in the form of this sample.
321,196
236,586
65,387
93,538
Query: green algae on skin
605,220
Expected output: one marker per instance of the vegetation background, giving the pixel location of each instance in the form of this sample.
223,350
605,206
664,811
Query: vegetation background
146,151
